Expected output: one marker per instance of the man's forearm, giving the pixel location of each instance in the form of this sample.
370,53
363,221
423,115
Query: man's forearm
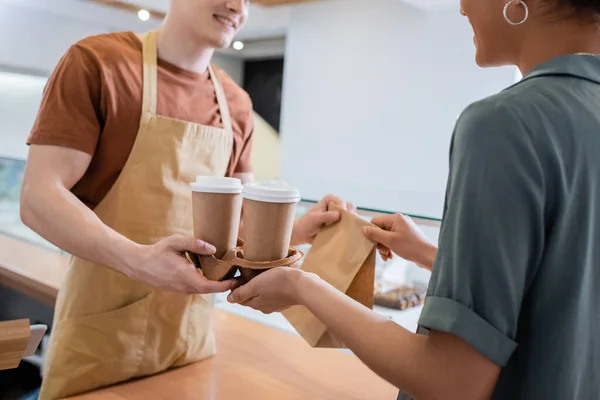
401,357
61,218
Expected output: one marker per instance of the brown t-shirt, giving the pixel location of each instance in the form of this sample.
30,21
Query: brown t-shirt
92,102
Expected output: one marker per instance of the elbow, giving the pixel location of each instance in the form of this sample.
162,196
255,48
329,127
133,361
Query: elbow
25,215
25,206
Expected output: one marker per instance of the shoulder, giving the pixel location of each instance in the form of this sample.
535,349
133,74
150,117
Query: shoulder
526,105
108,49
109,43
508,119
497,112
494,141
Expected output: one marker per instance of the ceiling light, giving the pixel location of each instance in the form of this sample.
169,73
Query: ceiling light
144,15
238,45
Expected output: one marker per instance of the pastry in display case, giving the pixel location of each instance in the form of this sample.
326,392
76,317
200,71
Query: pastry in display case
399,296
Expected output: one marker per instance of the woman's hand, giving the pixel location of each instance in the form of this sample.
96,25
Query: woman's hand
399,234
311,223
272,291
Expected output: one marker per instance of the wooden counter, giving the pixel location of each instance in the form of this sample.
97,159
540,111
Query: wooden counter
32,270
253,361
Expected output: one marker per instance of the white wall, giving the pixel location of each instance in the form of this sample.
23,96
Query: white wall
34,39
372,90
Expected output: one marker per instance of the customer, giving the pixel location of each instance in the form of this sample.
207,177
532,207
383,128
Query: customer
513,306
119,136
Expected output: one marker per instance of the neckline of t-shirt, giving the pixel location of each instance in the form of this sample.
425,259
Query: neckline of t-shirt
172,67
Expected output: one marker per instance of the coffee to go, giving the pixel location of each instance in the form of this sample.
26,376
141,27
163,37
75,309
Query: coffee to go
217,206
268,217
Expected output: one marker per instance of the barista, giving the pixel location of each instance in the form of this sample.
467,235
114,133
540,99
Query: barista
126,123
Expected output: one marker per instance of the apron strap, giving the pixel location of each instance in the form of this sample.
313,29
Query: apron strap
150,79
222,100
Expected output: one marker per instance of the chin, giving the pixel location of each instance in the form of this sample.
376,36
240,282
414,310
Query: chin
479,61
221,41
480,57
489,62
482,61
225,44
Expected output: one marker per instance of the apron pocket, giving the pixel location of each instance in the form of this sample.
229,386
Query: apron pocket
97,350
200,340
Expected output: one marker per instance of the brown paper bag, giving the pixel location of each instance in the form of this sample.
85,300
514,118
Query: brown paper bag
342,256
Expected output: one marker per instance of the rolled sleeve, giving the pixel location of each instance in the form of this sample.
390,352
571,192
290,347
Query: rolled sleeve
491,239
448,315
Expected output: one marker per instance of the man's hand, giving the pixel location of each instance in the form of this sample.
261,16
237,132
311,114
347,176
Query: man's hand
311,223
399,234
164,266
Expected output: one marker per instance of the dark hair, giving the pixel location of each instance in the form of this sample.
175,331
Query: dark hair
585,8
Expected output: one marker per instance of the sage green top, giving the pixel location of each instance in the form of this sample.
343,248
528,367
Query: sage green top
517,274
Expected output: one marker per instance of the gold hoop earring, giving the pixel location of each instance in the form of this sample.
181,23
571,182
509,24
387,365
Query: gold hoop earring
516,2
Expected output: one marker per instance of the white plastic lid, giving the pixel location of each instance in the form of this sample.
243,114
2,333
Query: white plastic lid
215,184
271,192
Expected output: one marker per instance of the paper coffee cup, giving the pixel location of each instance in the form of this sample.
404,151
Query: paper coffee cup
269,213
217,207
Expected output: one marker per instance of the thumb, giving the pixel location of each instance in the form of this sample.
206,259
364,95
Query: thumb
329,217
378,235
202,285
185,243
241,294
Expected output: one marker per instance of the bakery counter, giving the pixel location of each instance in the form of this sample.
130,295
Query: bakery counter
253,361
256,362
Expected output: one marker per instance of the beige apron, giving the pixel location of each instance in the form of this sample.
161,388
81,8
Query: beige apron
107,327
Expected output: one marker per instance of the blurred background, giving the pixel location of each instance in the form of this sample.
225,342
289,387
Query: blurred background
352,97
355,97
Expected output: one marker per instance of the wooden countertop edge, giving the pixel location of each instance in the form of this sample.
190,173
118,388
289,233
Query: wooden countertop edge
14,337
31,269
